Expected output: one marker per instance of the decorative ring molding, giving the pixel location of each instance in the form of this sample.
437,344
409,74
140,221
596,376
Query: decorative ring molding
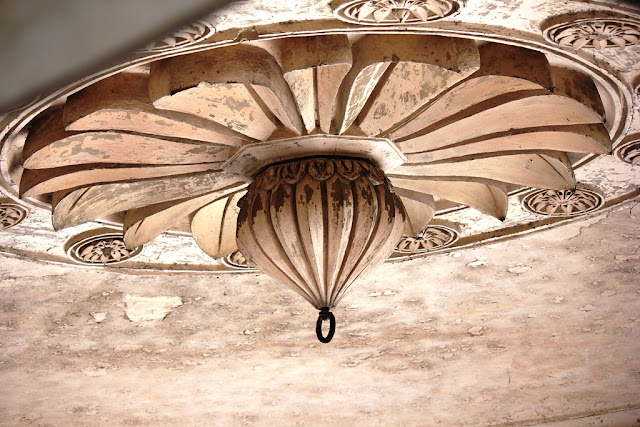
395,12
101,249
431,238
596,33
186,36
11,214
564,203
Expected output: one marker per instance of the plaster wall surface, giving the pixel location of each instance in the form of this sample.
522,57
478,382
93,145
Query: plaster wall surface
544,328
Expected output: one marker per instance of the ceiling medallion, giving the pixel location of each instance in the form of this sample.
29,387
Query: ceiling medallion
564,203
629,152
238,261
101,249
395,12
186,36
431,238
313,161
598,33
11,214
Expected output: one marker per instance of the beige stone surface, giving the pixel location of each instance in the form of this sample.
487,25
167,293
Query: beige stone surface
545,329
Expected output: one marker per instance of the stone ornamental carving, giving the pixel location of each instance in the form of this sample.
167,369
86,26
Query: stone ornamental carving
431,238
596,33
629,152
565,203
186,36
237,260
391,125
102,249
394,12
318,224
11,214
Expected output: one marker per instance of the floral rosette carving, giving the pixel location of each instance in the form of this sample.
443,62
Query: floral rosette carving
596,33
431,238
563,203
102,249
394,12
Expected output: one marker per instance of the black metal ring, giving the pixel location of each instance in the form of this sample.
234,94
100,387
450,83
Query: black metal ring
325,314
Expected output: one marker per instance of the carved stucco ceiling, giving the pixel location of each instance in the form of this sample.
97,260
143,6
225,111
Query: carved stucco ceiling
509,356
478,116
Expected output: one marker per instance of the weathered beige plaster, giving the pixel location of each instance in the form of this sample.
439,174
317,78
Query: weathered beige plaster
541,328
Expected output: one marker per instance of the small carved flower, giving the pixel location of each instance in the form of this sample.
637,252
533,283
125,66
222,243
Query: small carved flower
563,202
431,238
598,34
400,11
105,251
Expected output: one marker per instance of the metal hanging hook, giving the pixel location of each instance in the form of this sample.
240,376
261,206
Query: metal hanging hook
325,314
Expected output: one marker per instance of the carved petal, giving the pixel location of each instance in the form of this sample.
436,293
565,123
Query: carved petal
87,204
576,139
550,170
424,67
535,111
122,102
112,147
41,181
314,67
144,224
214,226
470,97
229,86
489,197
418,214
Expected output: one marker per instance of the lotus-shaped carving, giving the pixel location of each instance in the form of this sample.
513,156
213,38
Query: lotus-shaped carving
468,121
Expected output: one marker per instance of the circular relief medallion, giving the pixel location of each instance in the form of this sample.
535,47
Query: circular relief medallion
598,33
186,36
101,249
431,238
11,214
563,202
629,152
394,12
236,260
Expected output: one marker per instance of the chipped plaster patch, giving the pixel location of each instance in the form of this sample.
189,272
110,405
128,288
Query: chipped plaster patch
148,310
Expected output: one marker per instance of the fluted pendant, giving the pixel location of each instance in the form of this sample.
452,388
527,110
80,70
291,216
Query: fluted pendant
317,225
